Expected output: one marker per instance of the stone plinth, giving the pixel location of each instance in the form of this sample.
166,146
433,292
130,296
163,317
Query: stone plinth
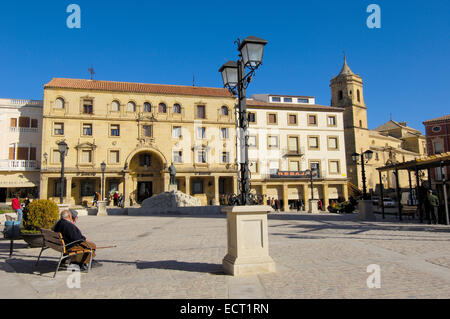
173,187
313,206
63,207
248,241
101,205
365,208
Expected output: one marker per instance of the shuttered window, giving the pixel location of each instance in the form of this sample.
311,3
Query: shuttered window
12,153
32,153
201,112
56,156
293,144
22,153
13,123
272,119
86,156
34,123
114,157
24,122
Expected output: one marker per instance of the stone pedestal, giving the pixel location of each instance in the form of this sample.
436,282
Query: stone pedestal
365,208
313,206
63,207
173,187
101,211
248,241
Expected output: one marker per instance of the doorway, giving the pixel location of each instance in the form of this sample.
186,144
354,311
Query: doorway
2,195
144,191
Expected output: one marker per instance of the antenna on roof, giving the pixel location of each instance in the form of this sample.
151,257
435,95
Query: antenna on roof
91,70
391,116
193,79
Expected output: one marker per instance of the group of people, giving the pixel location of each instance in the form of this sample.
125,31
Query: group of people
72,234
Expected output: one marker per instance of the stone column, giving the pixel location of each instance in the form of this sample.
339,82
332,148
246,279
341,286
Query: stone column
235,185
128,189
43,187
345,191
325,197
285,198
264,193
216,190
188,185
306,196
166,181
69,190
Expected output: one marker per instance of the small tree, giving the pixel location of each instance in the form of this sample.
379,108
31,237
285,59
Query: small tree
40,213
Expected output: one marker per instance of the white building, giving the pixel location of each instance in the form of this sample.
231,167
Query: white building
20,147
288,135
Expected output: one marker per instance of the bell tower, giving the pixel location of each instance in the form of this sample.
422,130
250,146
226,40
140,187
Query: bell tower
347,93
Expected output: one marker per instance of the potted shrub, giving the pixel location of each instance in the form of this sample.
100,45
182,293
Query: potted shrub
41,213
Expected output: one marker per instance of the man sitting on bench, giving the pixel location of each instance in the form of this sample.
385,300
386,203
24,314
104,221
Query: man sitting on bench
71,233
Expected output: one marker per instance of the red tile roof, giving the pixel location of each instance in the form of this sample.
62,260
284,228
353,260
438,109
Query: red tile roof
60,83
442,118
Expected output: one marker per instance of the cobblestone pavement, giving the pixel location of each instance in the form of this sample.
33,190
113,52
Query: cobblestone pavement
317,256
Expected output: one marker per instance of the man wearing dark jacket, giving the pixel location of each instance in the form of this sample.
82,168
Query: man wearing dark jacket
74,238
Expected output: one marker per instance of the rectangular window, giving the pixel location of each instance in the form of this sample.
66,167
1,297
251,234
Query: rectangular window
86,156
253,166
272,141
252,141
24,122
177,156
87,129
294,166
22,153
334,167
201,114
303,101
13,123
292,119
287,100
313,142
201,156
333,143
176,132
201,132
293,144
58,128
88,107
272,118
251,117
312,119
32,153
225,157
331,120
114,157
197,187
34,123
276,99
274,167
224,132
438,147
147,130
12,153
315,166
145,160
115,130
87,188
56,156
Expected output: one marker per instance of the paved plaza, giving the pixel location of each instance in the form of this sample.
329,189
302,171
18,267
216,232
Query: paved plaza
317,256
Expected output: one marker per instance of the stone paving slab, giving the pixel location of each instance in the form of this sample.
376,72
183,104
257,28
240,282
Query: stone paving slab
167,257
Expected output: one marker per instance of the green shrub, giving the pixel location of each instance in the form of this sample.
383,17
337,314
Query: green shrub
41,213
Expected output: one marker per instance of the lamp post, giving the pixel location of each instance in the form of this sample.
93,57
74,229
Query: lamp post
366,156
310,173
103,167
63,149
235,79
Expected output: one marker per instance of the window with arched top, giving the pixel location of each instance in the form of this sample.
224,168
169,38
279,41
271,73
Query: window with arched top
59,103
224,111
115,106
358,95
147,107
131,107
177,108
162,108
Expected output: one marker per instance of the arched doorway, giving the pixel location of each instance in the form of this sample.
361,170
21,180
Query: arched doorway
146,169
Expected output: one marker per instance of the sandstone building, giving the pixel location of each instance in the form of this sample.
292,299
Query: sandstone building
138,130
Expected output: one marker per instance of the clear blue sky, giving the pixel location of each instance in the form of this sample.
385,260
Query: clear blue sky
405,64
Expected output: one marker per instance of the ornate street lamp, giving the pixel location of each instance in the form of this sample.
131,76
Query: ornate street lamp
236,81
63,149
103,167
365,158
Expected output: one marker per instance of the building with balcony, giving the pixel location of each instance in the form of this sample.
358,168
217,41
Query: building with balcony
287,136
20,148
138,130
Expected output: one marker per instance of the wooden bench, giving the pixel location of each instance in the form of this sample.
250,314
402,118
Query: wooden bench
55,241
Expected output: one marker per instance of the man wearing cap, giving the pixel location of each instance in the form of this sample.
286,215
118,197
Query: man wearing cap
433,202
71,233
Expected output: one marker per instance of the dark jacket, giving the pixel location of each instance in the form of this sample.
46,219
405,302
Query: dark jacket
69,231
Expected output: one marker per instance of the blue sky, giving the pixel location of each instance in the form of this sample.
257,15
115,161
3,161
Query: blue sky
405,64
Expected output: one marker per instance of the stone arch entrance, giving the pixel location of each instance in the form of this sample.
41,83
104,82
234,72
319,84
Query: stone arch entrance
146,169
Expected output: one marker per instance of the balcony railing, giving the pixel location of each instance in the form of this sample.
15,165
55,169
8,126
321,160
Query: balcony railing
18,165
23,130
292,152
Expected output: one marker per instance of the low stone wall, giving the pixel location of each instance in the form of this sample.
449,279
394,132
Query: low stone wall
200,210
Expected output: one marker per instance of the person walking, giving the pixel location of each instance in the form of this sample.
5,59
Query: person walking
433,204
15,204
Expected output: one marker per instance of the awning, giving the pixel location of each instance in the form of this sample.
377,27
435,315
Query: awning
18,180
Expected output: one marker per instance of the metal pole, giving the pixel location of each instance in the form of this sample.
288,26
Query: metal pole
61,196
381,194
363,177
419,199
444,185
243,125
410,186
312,186
103,186
398,195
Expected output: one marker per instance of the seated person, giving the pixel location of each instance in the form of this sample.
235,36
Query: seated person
71,233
